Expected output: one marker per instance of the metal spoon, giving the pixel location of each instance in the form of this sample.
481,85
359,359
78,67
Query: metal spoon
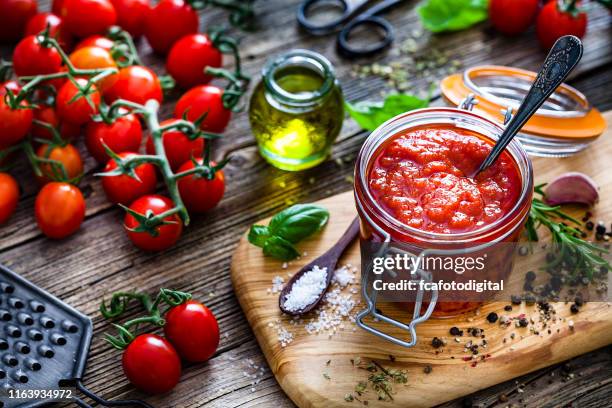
328,260
561,60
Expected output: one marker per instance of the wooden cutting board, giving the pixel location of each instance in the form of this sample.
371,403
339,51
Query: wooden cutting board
301,366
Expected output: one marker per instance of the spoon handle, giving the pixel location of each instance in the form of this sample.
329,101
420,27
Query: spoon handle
561,60
349,236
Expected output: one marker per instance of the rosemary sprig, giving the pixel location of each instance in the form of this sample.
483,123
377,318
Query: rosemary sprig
570,250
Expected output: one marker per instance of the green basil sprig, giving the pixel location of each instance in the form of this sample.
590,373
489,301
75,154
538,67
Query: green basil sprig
369,115
287,228
452,15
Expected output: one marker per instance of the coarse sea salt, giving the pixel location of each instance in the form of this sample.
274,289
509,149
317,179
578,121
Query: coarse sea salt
307,289
343,276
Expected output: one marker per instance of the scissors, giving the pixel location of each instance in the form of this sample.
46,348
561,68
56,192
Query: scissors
352,17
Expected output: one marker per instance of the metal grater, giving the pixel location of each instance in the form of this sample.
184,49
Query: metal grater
43,343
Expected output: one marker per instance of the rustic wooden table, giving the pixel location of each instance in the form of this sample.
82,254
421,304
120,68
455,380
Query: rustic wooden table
99,259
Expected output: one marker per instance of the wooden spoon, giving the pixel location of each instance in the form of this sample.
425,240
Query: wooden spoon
328,260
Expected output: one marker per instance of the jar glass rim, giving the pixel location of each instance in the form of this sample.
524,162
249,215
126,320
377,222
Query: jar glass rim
429,116
304,58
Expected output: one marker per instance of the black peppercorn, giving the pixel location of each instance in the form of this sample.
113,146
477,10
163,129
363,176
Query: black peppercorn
455,331
589,225
516,299
574,308
530,276
436,342
492,317
530,299
601,228
508,308
579,301
555,283
523,322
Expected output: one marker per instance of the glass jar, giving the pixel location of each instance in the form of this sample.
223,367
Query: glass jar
379,226
296,111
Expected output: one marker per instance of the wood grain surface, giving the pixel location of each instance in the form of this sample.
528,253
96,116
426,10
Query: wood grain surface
100,260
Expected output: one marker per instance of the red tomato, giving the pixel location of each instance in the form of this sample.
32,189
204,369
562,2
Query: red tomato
512,17
193,331
39,23
204,99
189,57
78,111
95,58
200,194
9,195
31,58
125,189
553,23
14,15
123,135
88,17
151,364
179,148
137,84
167,22
96,41
67,155
56,7
59,209
14,123
47,114
131,15
11,85
167,235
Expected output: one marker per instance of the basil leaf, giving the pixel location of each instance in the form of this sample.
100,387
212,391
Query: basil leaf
452,15
298,222
258,234
279,248
369,115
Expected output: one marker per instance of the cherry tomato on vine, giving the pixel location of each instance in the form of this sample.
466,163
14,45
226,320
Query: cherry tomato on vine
557,19
131,15
122,135
167,234
193,331
47,114
512,17
96,41
67,155
167,22
137,84
78,111
95,58
14,123
199,194
88,17
124,189
179,148
9,195
59,209
204,99
189,57
14,15
39,23
32,58
151,364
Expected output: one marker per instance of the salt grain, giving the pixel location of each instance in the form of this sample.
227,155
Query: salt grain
306,290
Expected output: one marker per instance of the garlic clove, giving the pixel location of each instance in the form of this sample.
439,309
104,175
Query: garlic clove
572,187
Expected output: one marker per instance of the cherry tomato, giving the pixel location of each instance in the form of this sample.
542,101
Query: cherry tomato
31,58
78,111
554,22
124,134
124,189
512,17
193,331
14,15
67,155
47,114
198,193
88,17
131,15
39,23
14,123
56,7
59,209
176,17
96,41
9,195
179,148
151,364
204,99
189,57
95,58
167,234
137,84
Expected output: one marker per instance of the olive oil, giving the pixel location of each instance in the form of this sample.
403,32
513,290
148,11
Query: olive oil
296,111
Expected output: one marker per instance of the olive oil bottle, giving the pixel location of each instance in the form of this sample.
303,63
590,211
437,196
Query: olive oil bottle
296,111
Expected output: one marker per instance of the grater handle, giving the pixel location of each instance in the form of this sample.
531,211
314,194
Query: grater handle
117,403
